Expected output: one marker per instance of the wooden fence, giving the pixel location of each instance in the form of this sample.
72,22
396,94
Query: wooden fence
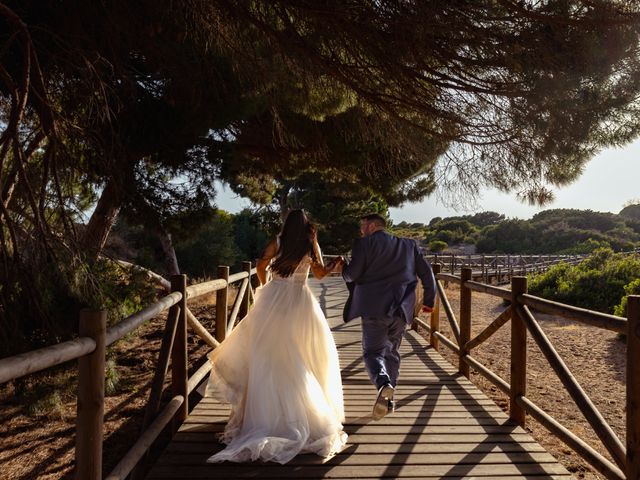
626,459
90,348
500,269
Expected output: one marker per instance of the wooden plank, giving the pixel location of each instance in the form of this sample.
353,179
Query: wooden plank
401,470
383,429
392,439
389,420
369,448
451,412
349,458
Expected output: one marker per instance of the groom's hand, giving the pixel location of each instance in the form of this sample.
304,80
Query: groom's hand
426,309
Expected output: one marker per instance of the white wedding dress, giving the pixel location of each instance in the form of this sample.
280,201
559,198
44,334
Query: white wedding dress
279,370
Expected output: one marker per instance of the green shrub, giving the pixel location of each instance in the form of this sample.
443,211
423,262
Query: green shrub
437,246
632,288
598,283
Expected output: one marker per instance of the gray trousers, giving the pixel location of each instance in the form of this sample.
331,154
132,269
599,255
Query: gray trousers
381,338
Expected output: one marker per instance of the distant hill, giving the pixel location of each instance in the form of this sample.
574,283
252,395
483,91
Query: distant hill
550,231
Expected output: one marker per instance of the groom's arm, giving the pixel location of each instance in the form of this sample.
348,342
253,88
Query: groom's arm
425,273
353,270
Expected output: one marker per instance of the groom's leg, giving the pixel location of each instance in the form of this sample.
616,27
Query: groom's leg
375,343
392,358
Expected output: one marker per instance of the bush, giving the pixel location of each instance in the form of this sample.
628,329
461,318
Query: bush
632,288
587,246
598,283
437,246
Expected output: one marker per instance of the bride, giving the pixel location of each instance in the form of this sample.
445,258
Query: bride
279,367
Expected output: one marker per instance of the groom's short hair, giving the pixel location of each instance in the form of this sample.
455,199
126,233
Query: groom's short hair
375,218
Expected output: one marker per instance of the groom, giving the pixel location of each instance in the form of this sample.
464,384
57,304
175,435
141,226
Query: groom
383,271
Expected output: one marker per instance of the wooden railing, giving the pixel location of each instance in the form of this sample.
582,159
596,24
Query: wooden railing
90,349
626,459
501,268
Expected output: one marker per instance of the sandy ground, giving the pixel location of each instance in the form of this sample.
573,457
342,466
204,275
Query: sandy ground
596,358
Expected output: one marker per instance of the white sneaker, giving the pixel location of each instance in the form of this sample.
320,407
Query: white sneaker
381,407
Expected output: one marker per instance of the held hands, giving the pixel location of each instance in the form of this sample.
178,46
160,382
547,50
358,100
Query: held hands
339,263
335,265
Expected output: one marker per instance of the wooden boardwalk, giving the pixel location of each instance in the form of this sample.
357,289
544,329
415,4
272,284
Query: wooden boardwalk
444,426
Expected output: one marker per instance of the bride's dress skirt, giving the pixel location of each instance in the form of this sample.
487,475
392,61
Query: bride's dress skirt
279,370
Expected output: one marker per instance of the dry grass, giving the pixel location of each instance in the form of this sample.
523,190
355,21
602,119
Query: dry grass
37,414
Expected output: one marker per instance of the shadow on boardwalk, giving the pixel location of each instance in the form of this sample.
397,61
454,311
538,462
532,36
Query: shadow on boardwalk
443,427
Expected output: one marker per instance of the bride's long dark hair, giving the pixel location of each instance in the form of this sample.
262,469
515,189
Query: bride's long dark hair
296,241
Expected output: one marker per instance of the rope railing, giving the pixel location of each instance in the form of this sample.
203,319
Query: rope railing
626,457
90,351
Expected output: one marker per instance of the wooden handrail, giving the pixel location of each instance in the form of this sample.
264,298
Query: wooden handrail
222,300
237,304
447,277
91,355
626,459
504,293
453,322
135,453
445,341
587,452
590,317
465,320
162,366
200,289
503,318
90,398
633,387
132,322
37,360
608,437
518,359
199,374
434,318
179,353
488,374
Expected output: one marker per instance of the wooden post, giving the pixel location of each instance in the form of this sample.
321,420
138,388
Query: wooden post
518,353
90,417
434,319
633,387
222,297
179,365
244,306
465,318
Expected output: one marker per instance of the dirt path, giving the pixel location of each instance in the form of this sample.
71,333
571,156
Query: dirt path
595,356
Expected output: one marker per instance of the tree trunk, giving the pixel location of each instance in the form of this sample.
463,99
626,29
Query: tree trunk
171,261
101,221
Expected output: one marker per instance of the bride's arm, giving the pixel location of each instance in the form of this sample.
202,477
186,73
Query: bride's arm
319,269
261,266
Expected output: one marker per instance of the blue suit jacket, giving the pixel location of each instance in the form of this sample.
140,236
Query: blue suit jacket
384,271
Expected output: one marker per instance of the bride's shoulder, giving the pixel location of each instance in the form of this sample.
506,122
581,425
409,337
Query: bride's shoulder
271,249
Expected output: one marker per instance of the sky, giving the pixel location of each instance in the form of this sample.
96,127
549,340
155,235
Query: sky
609,180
